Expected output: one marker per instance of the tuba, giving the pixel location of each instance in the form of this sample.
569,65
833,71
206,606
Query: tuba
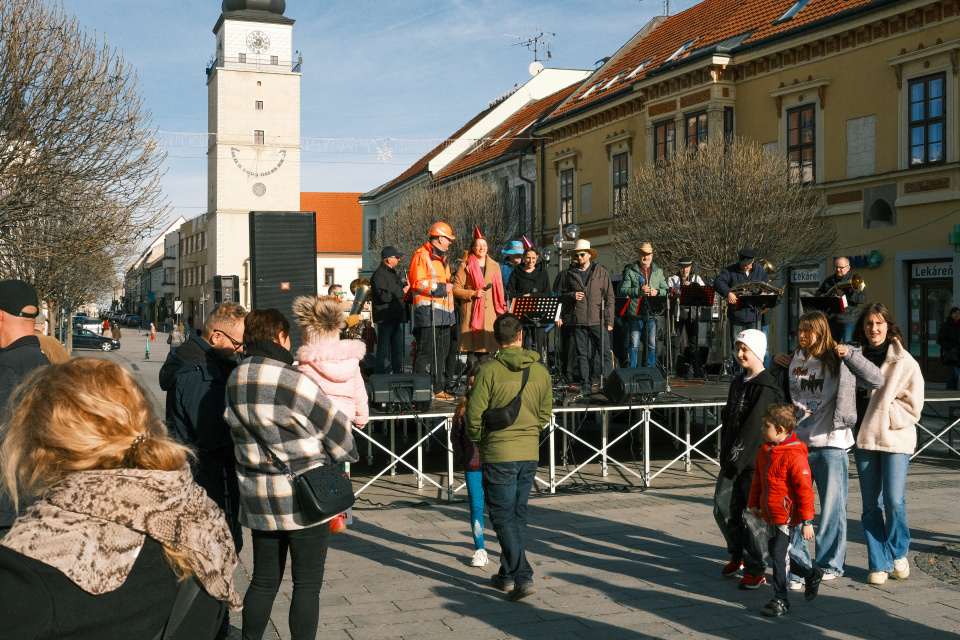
360,288
856,283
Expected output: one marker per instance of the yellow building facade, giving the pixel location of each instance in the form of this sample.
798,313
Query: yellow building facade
863,96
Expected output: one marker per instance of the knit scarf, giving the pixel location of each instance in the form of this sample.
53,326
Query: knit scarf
91,527
499,302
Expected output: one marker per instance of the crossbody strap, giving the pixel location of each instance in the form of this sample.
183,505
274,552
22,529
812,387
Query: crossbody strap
270,455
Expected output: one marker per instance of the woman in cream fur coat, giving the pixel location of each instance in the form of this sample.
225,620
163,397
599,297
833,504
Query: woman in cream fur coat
887,419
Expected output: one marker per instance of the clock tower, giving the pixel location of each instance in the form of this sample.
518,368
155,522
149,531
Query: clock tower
253,90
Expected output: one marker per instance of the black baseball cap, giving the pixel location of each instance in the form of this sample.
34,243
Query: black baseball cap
390,252
15,296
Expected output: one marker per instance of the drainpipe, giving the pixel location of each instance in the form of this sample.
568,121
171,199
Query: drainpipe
533,195
543,188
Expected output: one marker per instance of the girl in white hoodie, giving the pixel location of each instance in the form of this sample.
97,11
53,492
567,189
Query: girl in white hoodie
333,363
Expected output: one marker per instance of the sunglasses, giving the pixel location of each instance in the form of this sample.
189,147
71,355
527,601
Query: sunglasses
582,253
339,293
236,343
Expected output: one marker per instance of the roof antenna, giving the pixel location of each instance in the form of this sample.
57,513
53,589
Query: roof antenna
535,44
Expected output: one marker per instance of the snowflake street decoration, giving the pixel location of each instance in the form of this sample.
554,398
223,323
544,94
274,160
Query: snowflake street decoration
384,153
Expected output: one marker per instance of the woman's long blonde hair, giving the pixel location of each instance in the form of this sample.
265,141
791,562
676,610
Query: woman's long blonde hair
81,415
824,348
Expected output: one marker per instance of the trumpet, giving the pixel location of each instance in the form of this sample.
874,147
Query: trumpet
856,283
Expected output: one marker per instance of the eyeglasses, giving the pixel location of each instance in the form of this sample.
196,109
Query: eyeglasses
236,343
846,266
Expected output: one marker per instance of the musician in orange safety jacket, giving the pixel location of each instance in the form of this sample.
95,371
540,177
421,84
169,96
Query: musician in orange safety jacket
433,314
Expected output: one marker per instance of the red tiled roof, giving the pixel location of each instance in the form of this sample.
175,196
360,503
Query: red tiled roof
422,163
709,23
511,136
339,221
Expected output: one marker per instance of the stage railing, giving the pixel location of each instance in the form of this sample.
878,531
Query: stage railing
934,424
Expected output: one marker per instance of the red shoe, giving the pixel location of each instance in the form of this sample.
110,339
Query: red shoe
752,581
735,564
338,524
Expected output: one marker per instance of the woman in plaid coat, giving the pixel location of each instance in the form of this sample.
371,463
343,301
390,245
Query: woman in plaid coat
304,430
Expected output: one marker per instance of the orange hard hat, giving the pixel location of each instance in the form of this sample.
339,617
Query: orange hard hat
442,229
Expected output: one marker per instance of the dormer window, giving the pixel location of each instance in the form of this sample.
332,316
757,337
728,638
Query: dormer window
613,80
679,52
792,11
640,68
589,91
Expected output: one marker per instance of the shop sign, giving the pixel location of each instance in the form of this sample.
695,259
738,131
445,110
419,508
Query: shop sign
805,275
931,270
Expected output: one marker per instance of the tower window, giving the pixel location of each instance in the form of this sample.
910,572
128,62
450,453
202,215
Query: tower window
242,58
258,105
274,60
258,83
258,137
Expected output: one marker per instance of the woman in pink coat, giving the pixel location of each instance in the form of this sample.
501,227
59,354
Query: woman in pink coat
333,363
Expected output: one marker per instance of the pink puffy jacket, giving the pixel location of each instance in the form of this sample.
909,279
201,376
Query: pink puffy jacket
335,365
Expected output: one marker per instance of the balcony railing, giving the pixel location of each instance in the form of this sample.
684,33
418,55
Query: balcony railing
255,63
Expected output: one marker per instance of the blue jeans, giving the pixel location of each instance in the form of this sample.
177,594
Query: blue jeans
830,468
475,493
883,479
308,551
953,378
506,488
646,330
389,345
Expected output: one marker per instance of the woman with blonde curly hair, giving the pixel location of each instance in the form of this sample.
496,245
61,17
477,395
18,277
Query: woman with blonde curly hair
119,530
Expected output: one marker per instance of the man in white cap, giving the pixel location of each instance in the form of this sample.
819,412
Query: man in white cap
587,311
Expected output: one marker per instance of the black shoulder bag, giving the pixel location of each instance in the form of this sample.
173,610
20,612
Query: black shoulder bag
503,417
323,491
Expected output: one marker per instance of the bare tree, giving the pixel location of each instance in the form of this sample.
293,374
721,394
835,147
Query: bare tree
461,205
709,203
79,164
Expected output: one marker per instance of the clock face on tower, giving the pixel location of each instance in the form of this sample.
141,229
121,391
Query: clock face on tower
258,42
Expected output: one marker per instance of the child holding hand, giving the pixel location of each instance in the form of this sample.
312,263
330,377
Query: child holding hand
782,496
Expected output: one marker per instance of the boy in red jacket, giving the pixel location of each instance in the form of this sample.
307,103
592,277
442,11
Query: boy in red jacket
782,495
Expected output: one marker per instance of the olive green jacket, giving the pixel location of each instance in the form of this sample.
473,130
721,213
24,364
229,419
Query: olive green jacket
632,287
496,384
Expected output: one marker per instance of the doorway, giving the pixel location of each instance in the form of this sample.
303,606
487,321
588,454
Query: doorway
930,300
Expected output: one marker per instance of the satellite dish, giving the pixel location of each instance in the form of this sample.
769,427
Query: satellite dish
535,68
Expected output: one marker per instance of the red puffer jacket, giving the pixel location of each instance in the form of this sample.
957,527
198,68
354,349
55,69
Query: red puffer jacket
782,487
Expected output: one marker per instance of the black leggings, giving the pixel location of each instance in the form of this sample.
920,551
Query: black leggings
308,551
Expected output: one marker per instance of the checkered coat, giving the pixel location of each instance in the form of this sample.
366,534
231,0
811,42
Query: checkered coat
300,425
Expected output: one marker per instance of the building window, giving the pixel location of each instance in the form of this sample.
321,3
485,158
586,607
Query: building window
927,120
274,60
697,130
665,140
258,137
258,105
728,131
802,143
620,178
371,231
566,197
242,58
327,277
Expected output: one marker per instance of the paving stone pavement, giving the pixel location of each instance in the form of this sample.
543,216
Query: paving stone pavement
608,565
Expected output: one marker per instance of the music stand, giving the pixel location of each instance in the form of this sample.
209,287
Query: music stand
694,295
536,310
830,305
758,303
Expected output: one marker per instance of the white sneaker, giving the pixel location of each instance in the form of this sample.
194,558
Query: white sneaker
796,585
901,569
877,577
479,558
829,576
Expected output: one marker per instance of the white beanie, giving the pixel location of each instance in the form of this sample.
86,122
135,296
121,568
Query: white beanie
755,340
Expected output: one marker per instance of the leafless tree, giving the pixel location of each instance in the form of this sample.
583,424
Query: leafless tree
709,203
79,164
461,205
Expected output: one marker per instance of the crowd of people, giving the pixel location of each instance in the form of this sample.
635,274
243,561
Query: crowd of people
103,501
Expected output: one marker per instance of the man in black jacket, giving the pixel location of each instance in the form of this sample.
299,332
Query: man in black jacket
586,314
195,379
387,289
20,354
841,324
744,270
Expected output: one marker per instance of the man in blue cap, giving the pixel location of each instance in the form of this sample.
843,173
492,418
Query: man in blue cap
513,254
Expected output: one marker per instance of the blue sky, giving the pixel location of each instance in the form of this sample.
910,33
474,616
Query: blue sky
412,71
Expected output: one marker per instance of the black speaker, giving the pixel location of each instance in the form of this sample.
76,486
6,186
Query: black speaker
629,386
283,262
401,392
226,288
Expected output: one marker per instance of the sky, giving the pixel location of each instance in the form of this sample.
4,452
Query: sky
400,75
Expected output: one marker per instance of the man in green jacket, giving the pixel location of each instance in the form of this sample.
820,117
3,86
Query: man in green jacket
640,279
508,457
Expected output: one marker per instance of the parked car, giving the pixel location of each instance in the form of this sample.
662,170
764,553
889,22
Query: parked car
86,339
133,321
